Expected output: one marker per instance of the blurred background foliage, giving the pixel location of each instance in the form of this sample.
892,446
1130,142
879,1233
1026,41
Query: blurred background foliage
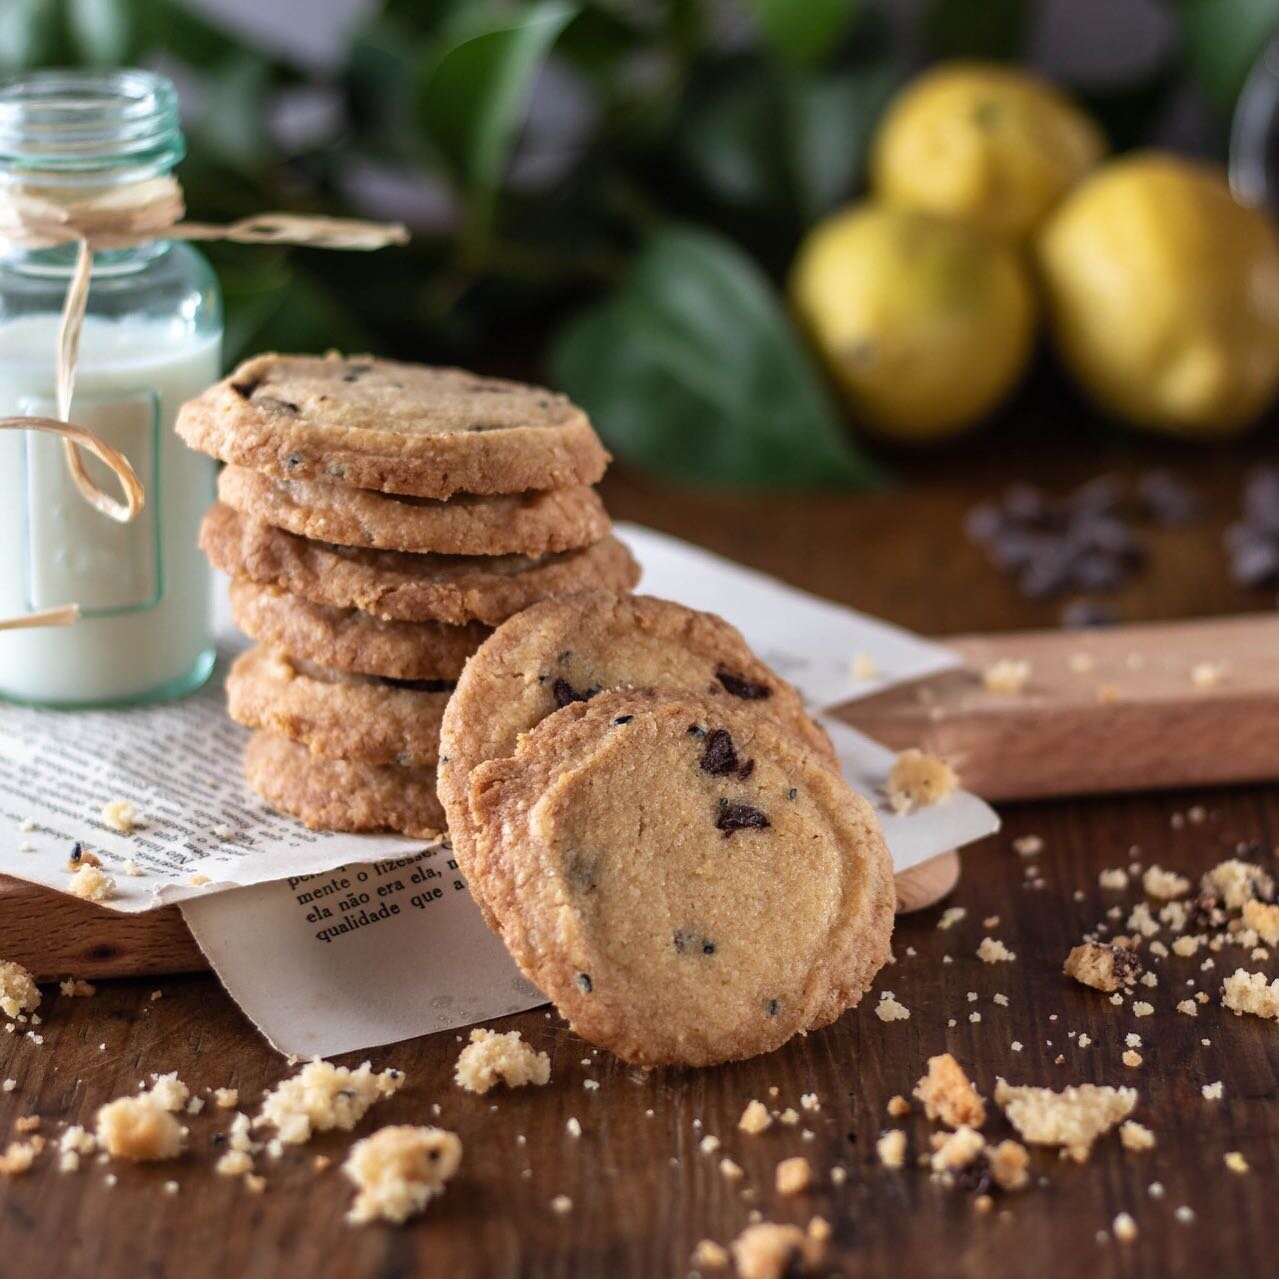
624,229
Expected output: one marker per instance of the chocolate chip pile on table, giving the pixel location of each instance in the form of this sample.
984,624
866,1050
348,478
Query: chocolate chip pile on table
1252,543
1057,546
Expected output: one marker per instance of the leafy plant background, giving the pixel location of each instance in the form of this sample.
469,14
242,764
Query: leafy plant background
634,259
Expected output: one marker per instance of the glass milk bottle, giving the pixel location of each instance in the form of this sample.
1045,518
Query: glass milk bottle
151,340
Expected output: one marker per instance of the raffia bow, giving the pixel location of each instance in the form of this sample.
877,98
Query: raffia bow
43,217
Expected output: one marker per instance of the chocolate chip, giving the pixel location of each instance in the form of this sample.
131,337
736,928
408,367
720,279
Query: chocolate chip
1083,614
792,793
772,1007
741,687
1166,500
293,461
77,851
356,371
697,730
687,943
245,389
719,758
584,983
565,694
271,404
735,817
623,719
746,770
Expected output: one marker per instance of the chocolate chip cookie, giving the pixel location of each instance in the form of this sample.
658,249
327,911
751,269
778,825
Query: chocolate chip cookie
335,714
535,523
402,587
568,650
682,876
345,639
334,794
400,428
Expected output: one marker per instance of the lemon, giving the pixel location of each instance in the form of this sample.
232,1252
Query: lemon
983,142
925,323
1164,295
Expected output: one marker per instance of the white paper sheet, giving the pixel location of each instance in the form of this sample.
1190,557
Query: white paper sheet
319,970
804,638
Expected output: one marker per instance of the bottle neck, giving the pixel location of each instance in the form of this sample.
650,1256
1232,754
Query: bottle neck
59,262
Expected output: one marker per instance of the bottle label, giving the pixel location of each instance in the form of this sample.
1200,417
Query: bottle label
74,552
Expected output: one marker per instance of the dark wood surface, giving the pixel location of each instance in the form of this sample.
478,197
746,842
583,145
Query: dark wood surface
643,1194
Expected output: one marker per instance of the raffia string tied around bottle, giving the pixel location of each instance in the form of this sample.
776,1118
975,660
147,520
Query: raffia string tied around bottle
36,216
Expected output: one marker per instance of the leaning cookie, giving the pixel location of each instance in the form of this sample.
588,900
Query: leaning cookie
568,649
400,587
346,639
686,881
536,523
400,428
332,794
362,718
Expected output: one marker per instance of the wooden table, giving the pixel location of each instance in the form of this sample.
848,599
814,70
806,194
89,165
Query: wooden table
643,1193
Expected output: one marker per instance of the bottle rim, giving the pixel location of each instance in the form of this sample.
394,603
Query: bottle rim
71,126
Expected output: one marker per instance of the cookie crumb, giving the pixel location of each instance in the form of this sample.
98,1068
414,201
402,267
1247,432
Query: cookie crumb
1207,674
1007,677
19,993
898,1106
1009,1163
793,1176
91,884
993,951
493,1057
120,815
917,780
1115,879
1245,992
888,1009
1140,1008
1073,1118
1124,1227
132,869
76,988
951,916
139,1128
755,1118
322,1096
561,1205
863,667
18,1156
1028,845
1164,884
1131,1059
948,1094
891,1148
1235,1161
767,1250
226,1098
1213,1092
709,1255
398,1170
730,1170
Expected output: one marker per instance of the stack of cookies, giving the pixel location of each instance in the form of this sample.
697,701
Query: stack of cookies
378,520
659,833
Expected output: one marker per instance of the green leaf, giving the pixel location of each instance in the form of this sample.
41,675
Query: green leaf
29,34
1222,39
694,370
105,32
473,98
803,31
977,28
233,122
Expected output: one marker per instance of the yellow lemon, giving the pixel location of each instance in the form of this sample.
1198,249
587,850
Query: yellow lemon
925,323
984,142
1164,295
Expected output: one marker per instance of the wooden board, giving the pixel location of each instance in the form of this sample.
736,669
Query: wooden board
1103,711
1135,719
56,936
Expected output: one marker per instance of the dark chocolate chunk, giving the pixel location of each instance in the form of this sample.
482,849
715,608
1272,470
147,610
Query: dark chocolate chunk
746,770
623,719
245,389
741,687
565,694
719,758
735,817
1167,500
77,851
